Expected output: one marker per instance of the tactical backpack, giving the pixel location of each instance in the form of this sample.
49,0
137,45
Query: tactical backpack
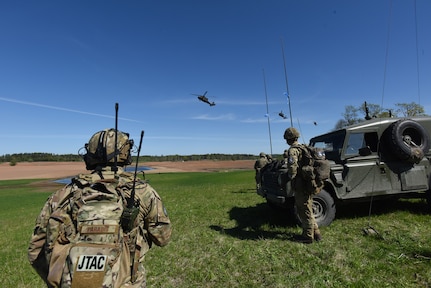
87,237
314,167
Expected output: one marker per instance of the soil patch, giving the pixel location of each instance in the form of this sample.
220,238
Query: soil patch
57,170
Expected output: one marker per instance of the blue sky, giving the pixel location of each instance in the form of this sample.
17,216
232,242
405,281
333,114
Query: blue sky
64,65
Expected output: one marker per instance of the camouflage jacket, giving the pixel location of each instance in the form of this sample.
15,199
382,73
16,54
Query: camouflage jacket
294,154
294,160
151,226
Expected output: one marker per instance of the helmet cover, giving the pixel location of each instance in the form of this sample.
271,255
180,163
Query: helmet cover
101,149
291,133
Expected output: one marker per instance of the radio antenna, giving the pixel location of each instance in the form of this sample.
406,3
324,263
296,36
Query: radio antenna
115,168
132,196
131,211
267,111
287,86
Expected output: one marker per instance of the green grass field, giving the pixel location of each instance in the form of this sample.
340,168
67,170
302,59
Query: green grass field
226,236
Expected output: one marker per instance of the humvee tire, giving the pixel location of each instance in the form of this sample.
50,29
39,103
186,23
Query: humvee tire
324,209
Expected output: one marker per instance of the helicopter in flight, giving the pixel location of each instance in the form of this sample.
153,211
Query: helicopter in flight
204,98
281,114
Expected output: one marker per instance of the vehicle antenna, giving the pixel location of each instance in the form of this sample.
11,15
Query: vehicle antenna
300,131
417,54
267,111
287,86
370,230
386,52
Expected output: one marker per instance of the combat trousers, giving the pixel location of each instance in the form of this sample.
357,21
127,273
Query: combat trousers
304,206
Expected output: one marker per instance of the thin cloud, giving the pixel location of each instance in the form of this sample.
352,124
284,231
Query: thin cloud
215,118
254,120
63,109
42,136
264,119
177,100
247,102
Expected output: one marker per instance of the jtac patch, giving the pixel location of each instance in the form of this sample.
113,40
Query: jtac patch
90,271
93,263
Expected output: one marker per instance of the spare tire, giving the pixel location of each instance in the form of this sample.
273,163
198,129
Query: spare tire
410,140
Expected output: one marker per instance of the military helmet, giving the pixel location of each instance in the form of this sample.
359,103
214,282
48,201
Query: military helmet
101,149
291,133
262,154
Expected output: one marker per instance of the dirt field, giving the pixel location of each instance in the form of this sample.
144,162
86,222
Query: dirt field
56,170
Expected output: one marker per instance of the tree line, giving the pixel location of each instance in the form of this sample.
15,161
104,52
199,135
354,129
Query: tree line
49,157
356,114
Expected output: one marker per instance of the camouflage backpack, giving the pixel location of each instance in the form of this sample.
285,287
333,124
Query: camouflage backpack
314,167
87,237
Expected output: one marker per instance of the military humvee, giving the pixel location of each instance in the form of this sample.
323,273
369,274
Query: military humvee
380,157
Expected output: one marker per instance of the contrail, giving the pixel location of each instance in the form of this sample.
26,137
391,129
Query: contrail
62,109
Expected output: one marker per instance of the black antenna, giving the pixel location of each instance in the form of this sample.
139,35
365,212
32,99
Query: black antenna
131,202
131,211
115,168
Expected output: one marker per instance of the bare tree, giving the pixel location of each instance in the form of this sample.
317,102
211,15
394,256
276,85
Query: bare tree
410,109
351,115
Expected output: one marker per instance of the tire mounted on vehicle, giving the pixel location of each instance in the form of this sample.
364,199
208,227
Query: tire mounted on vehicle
410,140
323,208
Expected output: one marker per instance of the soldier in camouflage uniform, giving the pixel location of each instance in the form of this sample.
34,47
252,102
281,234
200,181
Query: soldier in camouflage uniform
51,245
258,165
302,192
269,158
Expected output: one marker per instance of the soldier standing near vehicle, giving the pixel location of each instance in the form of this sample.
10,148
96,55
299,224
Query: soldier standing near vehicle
258,165
86,235
269,158
303,195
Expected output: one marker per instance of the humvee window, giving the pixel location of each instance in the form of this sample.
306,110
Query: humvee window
355,142
331,144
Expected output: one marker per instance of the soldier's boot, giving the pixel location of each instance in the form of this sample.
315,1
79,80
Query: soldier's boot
306,237
317,235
